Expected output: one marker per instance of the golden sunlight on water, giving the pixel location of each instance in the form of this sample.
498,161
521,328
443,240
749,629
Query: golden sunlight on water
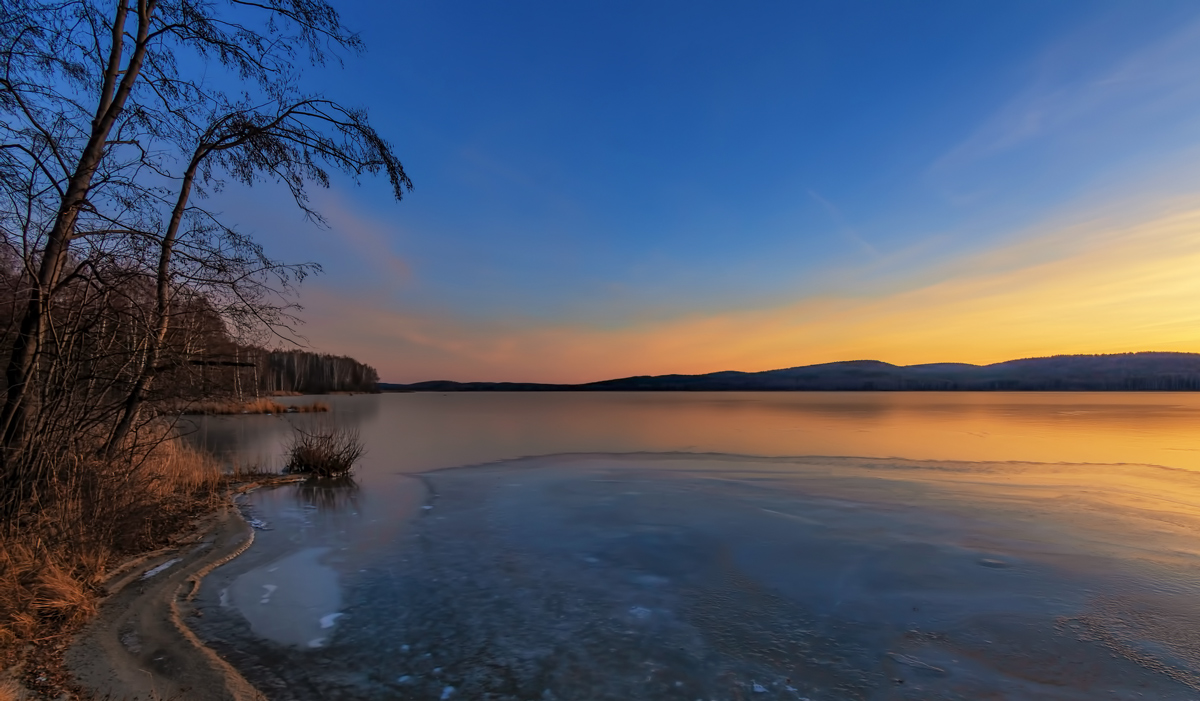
418,432
1162,429
1077,444
963,546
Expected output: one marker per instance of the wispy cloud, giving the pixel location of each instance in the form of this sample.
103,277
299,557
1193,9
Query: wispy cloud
848,232
1152,79
1128,286
369,245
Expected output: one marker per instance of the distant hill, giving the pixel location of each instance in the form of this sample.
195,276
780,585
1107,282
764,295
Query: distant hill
1122,372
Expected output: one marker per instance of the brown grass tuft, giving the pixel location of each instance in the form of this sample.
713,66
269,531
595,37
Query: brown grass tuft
10,691
60,596
257,406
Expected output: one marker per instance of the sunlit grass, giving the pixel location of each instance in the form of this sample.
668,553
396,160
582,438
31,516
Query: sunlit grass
97,512
257,406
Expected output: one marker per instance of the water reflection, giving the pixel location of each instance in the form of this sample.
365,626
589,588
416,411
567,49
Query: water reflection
986,544
260,441
418,432
674,576
329,494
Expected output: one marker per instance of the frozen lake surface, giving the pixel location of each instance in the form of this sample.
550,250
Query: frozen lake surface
653,573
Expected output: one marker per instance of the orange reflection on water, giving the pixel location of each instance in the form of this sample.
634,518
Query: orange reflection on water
1074,443
426,431
1091,501
423,431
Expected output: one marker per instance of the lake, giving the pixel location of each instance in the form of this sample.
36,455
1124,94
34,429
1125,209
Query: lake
724,546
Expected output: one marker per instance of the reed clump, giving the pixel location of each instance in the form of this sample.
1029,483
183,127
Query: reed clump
257,406
96,511
324,453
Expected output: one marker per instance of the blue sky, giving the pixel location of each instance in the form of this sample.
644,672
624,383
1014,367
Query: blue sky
597,175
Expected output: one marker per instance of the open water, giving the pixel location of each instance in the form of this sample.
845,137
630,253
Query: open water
724,546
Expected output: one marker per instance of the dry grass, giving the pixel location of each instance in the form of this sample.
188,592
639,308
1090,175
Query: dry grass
258,406
53,557
11,691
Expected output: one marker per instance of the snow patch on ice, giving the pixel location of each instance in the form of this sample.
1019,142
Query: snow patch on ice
915,663
155,570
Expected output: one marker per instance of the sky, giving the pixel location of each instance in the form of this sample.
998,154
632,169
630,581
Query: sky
606,189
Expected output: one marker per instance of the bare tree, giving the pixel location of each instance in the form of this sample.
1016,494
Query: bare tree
283,142
116,119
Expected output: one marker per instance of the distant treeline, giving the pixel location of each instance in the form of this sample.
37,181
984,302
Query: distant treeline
241,372
313,373
1125,372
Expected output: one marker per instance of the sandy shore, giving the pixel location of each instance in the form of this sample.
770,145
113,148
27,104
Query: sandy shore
139,646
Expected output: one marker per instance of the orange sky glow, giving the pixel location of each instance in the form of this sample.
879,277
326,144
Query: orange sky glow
1101,286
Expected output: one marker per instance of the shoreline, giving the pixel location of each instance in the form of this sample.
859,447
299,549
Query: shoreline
139,644
650,593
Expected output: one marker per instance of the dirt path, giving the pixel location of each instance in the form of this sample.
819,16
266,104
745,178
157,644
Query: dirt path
139,646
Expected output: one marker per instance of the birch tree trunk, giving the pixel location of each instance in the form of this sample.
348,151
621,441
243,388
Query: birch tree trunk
118,83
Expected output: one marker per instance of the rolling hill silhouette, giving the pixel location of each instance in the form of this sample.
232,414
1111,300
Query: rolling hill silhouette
1119,372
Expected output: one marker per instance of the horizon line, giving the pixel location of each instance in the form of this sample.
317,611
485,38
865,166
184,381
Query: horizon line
796,367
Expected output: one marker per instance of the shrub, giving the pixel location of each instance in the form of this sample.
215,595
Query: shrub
324,452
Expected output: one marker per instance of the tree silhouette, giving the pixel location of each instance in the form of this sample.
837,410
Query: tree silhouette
117,119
